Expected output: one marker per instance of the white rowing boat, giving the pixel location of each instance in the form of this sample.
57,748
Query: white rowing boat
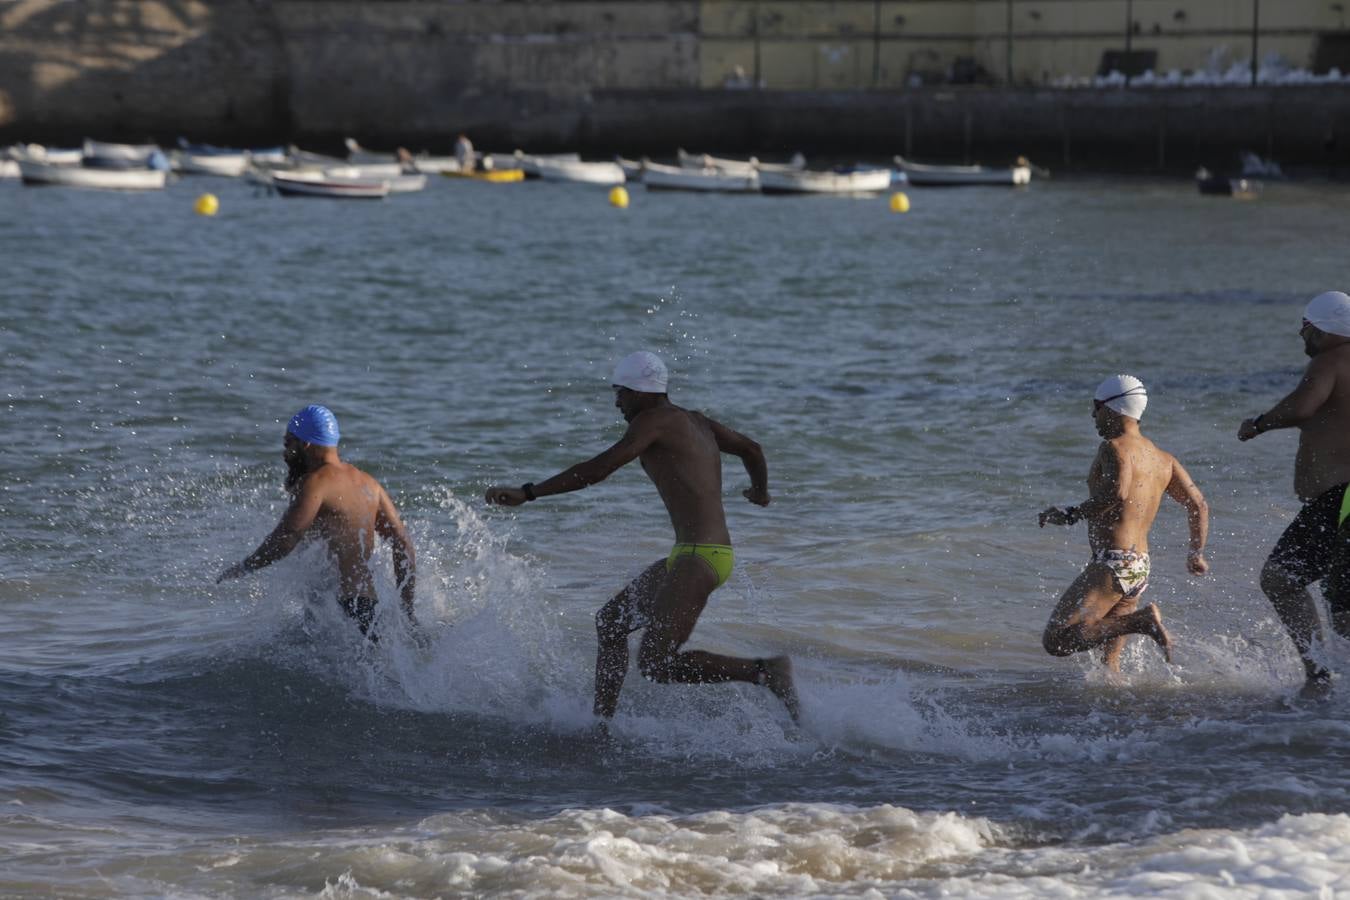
399,183
678,178
579,171
37,172
316,183
805,181
956,176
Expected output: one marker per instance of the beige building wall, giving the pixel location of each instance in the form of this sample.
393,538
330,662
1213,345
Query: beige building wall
852,44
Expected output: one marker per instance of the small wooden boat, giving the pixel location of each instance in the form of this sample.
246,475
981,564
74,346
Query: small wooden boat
842,181
679,178
308,183
37,172
956,176
399,183
580,171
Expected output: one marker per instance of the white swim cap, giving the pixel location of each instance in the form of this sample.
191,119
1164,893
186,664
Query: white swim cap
1330,312
641,371
1123,393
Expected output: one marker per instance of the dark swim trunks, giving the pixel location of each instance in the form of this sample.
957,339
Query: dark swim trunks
362,609
1315,548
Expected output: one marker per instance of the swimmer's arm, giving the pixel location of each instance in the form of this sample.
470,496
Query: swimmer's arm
389,526
635,441
1312,393
286,536
1183,490
752,456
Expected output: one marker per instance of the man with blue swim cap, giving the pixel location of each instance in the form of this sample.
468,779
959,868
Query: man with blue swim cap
345,506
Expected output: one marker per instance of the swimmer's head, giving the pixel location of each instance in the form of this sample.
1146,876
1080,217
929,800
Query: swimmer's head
638,380
1124,395
315,425
1326,314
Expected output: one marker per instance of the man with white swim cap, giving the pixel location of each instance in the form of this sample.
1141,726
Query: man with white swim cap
681,451
342,504
1316,545
1126,485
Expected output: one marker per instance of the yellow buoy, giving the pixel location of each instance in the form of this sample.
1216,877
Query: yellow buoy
899,202
207,205
618,196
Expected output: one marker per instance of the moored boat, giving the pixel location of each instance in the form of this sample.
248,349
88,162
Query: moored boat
843,181
580,171
316,183
679,178
925,175
37,172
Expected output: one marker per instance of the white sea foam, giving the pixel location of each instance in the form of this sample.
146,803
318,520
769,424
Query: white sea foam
808,850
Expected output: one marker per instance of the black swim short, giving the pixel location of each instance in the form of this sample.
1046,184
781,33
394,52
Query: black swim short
362,609
1313,548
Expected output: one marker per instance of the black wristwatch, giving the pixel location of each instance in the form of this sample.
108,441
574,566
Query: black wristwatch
528,488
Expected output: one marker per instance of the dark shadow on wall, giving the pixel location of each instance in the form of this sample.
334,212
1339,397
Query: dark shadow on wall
132,71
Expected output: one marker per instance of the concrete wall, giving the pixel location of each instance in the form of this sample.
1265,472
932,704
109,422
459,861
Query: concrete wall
647,75
841,44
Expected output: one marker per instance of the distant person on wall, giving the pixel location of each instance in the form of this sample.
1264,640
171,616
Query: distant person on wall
681,452
464,154
1316,545
342,505
1126,485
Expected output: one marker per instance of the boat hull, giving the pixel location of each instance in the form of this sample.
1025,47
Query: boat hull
40,173
863,181
319,185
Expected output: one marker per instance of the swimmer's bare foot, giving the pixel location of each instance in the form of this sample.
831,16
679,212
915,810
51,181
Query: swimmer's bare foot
1317,687
776,675
1154,628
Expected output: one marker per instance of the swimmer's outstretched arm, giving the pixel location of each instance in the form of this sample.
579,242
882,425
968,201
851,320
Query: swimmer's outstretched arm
635,441
294,523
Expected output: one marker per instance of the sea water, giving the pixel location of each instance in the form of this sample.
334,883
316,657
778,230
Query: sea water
921,385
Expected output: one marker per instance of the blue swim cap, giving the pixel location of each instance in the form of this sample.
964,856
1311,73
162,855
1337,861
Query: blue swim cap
315,425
